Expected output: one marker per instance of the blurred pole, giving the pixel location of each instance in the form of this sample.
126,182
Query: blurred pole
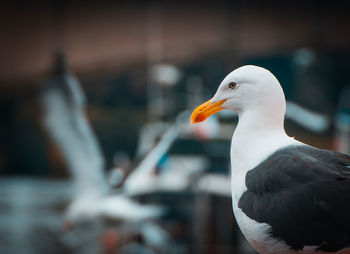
154,55
342,122
59,14
233,9
164,77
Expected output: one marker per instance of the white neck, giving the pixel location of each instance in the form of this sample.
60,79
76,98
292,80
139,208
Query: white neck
261,119
256,137
258,134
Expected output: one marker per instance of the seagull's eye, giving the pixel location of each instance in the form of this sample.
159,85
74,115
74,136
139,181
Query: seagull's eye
232,85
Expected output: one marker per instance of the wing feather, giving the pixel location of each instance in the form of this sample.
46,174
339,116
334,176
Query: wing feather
303,193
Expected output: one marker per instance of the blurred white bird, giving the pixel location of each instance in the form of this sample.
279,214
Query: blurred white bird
63,103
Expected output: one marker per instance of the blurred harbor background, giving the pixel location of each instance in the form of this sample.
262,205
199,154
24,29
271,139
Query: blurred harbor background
97,154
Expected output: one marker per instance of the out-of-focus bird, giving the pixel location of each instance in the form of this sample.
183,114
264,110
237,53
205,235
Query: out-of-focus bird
63,101
288,197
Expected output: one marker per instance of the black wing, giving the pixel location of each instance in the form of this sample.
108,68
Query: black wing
303,193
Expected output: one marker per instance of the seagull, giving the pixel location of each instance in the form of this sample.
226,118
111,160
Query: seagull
287,197
63,102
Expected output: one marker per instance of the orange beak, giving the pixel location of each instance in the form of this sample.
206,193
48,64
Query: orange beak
205,110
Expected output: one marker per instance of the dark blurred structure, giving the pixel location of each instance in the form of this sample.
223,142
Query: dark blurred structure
342,121
140,63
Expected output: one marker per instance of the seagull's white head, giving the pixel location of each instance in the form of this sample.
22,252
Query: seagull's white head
247,89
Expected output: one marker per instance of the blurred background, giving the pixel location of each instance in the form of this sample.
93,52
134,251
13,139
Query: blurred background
97,154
